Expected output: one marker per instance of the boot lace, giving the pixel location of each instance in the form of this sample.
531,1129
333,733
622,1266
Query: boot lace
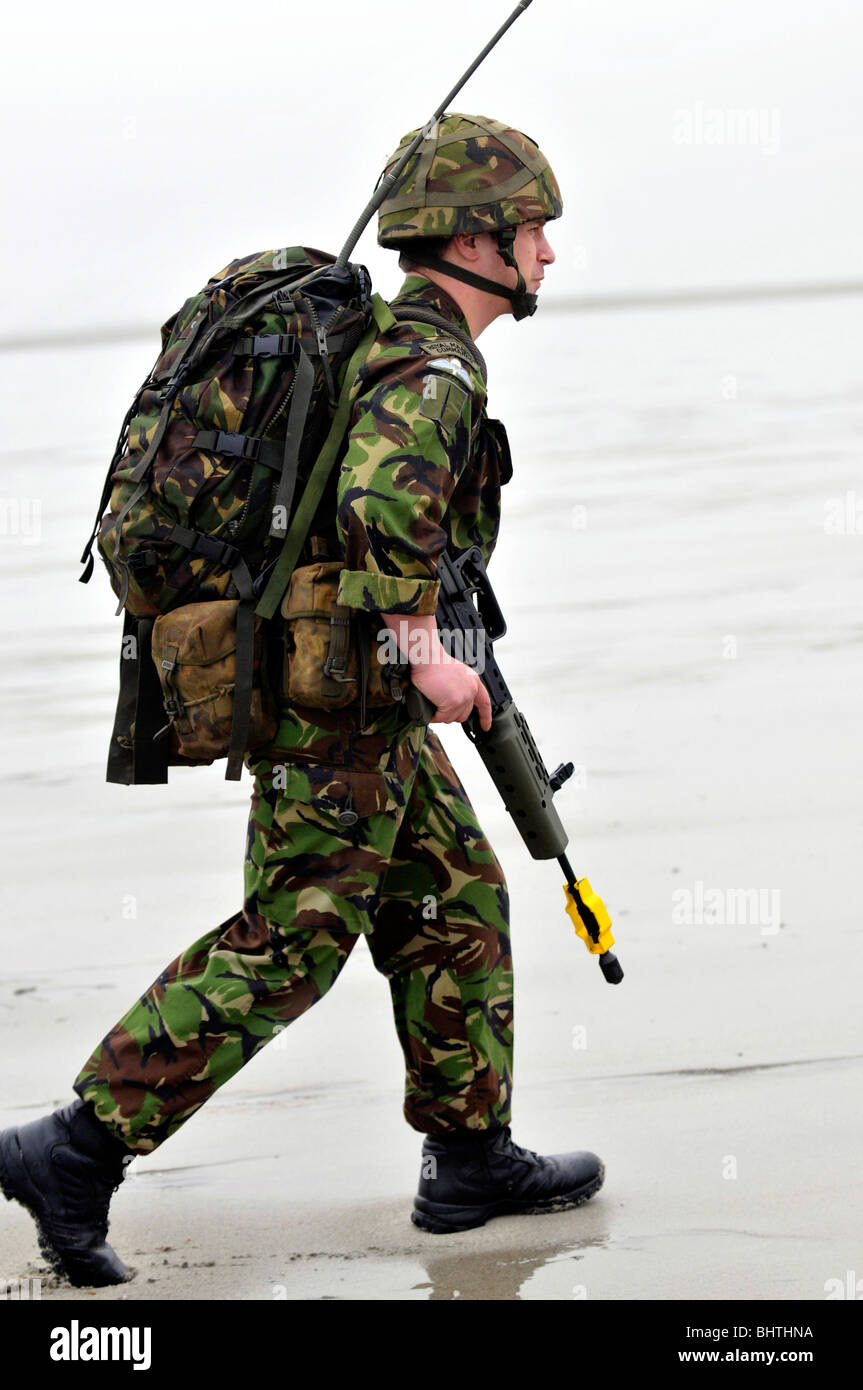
513,1150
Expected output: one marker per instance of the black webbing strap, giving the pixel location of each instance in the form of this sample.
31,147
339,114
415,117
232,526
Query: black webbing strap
240,446
210,547
136,564
87,553
117,523
245,671
298,414
134,758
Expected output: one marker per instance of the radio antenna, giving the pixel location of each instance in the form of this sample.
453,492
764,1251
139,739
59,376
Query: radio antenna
388,180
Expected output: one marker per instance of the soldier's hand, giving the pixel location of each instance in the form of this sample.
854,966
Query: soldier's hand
453,688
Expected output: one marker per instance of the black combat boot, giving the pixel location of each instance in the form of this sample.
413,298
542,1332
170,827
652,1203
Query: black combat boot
468,1177
64,1169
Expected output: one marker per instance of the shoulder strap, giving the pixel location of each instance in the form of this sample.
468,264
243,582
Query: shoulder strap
407,313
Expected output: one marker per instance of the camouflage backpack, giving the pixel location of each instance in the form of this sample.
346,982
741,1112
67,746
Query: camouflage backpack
205,473
221,463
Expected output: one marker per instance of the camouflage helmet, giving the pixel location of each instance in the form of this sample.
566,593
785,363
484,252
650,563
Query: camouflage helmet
469,175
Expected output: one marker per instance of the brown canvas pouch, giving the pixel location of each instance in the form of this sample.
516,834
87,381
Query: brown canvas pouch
195,653
332,655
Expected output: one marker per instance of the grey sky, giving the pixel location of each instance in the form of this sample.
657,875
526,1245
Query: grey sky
697,143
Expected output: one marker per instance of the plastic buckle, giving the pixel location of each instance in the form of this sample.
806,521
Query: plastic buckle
173,384
248,447
364,282
230,556
218,552
335,667
275,345
140,561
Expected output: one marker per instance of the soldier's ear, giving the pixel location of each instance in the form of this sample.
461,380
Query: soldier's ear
467,246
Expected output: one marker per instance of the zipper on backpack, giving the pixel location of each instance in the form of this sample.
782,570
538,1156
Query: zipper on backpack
281,407
321,337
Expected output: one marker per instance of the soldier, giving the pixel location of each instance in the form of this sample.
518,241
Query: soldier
358,820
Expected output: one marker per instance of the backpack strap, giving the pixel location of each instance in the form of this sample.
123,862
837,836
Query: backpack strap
314,488
301,397
136,756
407,313
244,673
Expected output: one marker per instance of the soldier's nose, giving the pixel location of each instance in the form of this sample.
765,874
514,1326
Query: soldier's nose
546,254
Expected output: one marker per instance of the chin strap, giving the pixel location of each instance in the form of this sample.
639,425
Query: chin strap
523,304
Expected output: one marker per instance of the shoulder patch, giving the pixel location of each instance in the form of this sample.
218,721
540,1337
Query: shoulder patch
449,347
443,399
454,367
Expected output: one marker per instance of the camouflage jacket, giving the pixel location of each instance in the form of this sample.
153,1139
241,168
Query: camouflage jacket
422,466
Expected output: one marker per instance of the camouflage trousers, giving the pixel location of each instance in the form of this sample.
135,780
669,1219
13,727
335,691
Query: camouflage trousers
388,847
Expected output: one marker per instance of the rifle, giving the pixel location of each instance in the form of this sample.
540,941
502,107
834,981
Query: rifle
508,748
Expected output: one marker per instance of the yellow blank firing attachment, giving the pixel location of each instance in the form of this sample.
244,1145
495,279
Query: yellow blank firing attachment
589,917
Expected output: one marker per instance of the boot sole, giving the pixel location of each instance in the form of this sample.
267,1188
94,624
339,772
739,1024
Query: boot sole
17,1186
442,1218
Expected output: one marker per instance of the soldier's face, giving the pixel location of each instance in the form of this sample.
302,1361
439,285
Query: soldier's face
479,252
533,253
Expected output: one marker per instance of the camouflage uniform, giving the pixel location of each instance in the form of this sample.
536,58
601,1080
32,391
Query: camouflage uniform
357,827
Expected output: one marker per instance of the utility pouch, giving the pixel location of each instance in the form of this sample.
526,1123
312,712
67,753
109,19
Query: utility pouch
194,649
332,657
